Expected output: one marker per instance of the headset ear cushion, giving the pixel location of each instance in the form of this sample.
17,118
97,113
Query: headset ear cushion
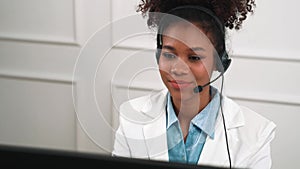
158,46
157,54
225,62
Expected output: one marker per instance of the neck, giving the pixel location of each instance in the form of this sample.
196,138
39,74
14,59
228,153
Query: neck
186,110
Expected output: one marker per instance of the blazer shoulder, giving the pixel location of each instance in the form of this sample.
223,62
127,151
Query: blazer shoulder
143,107
139,103
252,126
257,122
245,116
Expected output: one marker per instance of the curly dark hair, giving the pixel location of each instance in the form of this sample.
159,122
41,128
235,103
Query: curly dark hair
213,15
231,13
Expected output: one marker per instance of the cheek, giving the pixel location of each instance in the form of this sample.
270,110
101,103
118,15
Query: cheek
164,66
164,76
200,72
163,71
206,67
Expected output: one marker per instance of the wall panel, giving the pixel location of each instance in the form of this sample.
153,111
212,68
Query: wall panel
36,112
40,21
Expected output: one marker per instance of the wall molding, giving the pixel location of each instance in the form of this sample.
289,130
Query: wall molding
49,78
38,41
264,97
287,58
132,45
140,86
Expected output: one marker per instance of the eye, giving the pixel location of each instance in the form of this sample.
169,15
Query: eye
169,55
195,58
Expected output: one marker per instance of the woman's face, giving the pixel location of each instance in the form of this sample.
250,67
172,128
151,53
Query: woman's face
186,60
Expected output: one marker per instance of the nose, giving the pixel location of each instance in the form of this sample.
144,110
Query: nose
179,67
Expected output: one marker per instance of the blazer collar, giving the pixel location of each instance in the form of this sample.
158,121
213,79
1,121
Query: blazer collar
155,104
232,113
214,150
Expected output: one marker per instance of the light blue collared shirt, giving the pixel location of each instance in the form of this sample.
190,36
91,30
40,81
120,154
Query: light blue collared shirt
201,126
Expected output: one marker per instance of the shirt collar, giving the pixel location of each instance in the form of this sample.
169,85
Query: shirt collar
171,115
205,120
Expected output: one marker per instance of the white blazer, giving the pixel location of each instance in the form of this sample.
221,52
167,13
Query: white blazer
142,134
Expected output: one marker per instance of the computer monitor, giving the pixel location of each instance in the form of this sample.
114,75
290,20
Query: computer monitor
29,157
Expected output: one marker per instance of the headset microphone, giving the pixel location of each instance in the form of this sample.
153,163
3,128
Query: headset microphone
199,88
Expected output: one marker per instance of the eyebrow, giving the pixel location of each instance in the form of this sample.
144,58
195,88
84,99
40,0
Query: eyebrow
193,49
168,47
196,49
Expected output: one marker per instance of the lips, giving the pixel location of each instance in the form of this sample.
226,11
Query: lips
180,84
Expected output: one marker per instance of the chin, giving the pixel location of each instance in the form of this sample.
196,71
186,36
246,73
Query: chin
185,94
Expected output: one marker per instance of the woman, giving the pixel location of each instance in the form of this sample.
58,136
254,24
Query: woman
192,122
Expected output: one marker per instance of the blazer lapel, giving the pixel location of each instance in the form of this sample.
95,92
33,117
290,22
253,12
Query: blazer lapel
215,150
155,130
156,139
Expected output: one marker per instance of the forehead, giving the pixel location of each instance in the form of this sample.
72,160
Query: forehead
190,34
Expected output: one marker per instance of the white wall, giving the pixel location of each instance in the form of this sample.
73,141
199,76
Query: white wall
43,44
39,45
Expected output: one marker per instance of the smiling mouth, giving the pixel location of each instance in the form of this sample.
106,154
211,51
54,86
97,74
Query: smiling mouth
180,84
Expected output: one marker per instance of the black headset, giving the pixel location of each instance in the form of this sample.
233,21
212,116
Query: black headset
223,56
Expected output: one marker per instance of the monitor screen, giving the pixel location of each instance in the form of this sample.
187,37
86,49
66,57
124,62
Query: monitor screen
29,157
